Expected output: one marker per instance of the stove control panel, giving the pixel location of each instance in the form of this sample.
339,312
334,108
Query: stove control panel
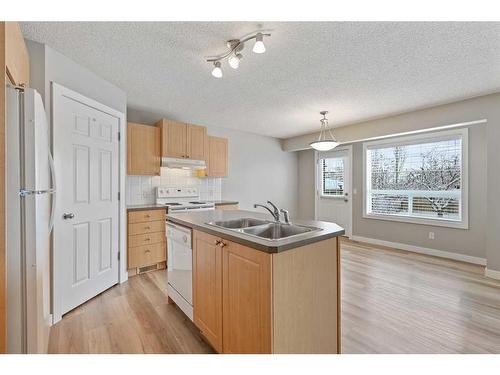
175,192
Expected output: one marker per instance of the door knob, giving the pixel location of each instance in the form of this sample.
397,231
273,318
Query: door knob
68,216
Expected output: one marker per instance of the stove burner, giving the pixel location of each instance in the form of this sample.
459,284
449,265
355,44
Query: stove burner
197,202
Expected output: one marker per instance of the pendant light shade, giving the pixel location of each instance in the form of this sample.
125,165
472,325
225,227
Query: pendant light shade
259,46
326,140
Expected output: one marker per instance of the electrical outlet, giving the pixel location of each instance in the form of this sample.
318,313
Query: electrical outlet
431,235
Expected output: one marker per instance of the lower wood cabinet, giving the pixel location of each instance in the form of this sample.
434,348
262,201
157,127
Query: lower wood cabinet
249,301
246,299
207,287
146,241
232,295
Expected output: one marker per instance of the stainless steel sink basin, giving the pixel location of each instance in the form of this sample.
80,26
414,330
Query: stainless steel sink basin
277,231
239,223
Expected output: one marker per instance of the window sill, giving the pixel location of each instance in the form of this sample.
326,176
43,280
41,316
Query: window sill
422,221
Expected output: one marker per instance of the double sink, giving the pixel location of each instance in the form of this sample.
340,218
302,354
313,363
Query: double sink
264,229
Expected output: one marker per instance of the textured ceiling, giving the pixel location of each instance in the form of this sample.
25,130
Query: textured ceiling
357,71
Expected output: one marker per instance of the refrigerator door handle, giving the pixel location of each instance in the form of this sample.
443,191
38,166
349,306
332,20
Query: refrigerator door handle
53,191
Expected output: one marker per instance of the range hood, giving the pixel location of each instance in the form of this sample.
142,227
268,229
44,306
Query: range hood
183,163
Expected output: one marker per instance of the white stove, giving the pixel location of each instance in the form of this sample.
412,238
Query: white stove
178,199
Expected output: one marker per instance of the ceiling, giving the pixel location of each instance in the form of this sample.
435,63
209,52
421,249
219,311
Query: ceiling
357,71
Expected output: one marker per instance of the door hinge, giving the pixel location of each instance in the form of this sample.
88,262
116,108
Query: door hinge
118,195
118,255
119,136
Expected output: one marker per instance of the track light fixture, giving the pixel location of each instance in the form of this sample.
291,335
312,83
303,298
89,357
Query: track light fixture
233,54
217,71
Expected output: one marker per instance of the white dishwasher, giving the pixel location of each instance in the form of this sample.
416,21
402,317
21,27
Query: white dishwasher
180,267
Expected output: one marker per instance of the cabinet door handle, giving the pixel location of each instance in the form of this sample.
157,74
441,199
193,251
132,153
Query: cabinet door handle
147,227
147,251
147,239
222,244
148,216
218,242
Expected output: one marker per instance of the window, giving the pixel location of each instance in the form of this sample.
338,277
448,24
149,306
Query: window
419,179
332,176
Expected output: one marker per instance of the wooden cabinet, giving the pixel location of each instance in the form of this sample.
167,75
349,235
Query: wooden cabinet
146,240
197,142
217,157
143,149
180,140
246,299
207,287
231,295
227,207
250,301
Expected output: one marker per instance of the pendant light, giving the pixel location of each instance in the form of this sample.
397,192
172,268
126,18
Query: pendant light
324,143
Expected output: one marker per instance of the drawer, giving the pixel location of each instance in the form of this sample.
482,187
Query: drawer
145,216
146,255
147,227
146,239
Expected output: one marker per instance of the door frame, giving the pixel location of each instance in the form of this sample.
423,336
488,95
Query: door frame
347,148
58,90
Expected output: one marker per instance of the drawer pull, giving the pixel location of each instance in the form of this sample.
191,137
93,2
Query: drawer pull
147,251
147,227
147,239
148,216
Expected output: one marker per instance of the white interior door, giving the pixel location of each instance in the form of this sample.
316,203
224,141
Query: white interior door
86,225
333,187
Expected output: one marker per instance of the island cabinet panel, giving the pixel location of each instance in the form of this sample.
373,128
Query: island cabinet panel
207,287
306,295
246,299
143,150
197,142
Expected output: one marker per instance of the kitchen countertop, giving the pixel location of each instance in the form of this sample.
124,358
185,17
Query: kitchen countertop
223,203
198,220
150,206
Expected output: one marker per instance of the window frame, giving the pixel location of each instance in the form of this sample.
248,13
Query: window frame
325,155
417,139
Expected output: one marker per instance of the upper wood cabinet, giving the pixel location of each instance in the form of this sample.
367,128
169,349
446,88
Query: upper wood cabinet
246,285
196,142
217,157
207,287
16,55
143,148
180,140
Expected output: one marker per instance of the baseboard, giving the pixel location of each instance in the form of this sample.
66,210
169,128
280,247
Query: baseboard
424,250
492,274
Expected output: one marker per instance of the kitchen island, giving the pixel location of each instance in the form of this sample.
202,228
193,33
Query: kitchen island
263,287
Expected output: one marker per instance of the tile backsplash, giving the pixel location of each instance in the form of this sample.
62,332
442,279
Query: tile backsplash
141,189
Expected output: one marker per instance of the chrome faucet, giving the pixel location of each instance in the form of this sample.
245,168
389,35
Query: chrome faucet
275,212
286,215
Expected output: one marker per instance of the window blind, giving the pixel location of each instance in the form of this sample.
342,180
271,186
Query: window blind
332,170
420,179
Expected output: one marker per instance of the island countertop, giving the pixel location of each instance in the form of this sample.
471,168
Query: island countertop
198,220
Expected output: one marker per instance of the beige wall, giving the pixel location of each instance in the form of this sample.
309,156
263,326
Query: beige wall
483,237
306,184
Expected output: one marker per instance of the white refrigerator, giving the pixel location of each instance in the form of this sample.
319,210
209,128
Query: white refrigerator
30,199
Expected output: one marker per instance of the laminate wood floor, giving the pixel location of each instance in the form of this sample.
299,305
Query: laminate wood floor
392,302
